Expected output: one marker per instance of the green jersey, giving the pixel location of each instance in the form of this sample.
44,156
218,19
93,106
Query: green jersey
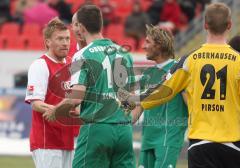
164,125
104,68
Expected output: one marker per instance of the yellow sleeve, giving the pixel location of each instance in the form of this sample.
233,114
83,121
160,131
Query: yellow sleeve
167,90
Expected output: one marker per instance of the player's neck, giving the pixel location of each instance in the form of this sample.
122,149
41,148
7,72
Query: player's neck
81,44
216,39
160,60
57,59
91,37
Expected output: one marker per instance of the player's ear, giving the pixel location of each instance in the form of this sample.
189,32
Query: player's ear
229,26
82,28
47,43
205,26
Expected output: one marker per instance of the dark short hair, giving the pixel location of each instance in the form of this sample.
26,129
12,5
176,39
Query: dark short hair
235,43
90,17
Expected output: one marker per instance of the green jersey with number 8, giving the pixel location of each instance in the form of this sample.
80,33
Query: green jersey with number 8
105,67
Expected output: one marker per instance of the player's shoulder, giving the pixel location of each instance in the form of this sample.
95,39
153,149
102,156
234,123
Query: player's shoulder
38,66
151,69
179,64
38,63
80,54
124,51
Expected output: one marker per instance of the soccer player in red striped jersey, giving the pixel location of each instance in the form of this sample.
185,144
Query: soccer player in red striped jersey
50,142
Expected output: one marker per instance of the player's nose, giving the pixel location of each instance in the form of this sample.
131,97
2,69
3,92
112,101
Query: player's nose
144,46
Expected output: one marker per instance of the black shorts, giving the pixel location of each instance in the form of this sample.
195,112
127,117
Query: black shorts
205,154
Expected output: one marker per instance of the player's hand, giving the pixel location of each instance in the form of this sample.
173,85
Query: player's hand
49,114
75,112
125,101
128,106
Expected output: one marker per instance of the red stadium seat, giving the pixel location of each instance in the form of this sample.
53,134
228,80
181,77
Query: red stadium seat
123,9
75,4
35,43
146,4
115,31
15,43
141,45
2,43
126,41
10,29
31,29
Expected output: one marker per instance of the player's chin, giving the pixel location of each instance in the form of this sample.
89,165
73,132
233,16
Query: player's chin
63,52
149,56
62,55
79,38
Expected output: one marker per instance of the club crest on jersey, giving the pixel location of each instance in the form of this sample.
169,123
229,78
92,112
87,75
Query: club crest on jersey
30,90
66,85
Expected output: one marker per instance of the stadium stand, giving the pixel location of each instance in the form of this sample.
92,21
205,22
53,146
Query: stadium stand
193,36
31,29
29,35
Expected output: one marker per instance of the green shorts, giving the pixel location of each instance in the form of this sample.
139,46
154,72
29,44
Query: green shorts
160,157
104,146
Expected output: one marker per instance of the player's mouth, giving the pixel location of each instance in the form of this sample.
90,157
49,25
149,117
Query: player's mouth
64,49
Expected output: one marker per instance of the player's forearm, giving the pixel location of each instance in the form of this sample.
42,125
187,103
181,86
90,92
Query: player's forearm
40,106
156,98
165,92
74,102
136,113
184,95
76,95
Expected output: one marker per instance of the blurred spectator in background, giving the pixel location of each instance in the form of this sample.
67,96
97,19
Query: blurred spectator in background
153,11
20,6
188,8
40,14
135,24
5,11
88,2
63,9
75,5
235,43
172,15
107,12
203,3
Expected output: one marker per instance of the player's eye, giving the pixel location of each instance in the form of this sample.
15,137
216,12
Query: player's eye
60,38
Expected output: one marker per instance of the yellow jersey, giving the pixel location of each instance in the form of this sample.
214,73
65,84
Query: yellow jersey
210,76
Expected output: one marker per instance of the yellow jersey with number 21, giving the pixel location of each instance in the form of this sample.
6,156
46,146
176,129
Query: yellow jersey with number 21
211,79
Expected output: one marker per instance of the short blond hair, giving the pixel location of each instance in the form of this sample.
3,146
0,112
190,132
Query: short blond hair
163,38
217,17
52,26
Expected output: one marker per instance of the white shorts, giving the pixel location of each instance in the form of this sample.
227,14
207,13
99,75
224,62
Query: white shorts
49,158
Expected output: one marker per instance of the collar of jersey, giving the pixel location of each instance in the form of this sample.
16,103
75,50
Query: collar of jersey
100,40
165,65
53,60
215,45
